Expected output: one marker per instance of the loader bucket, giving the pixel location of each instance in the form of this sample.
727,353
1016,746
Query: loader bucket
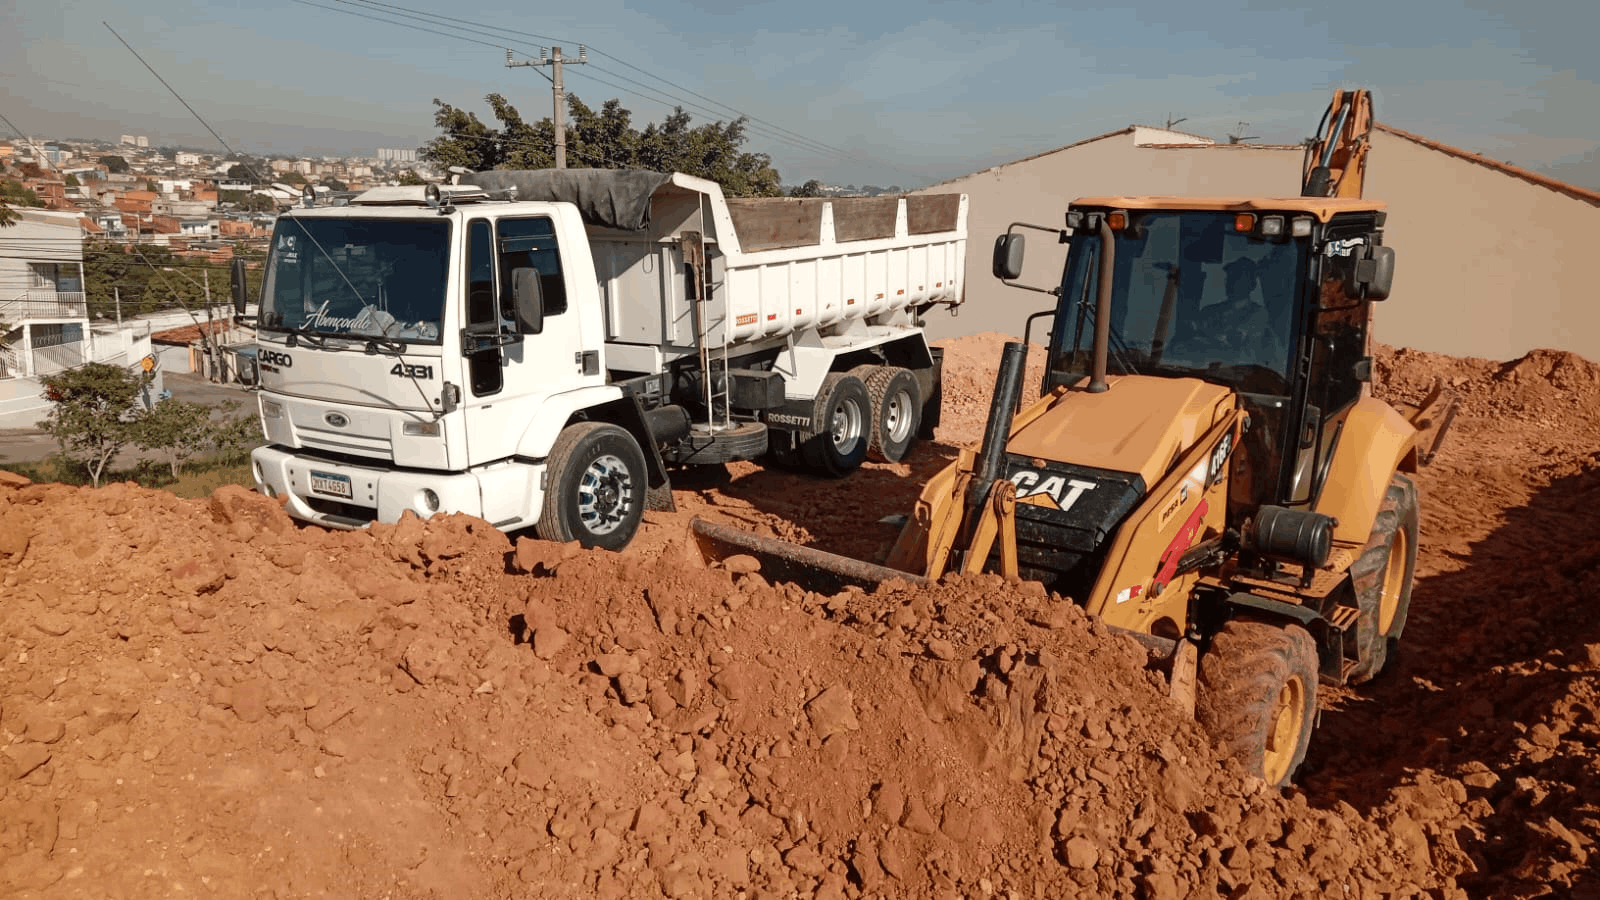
812,569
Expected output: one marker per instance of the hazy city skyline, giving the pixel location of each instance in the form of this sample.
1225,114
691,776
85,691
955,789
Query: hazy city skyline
838,92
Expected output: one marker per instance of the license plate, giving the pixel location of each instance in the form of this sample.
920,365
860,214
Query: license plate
332,485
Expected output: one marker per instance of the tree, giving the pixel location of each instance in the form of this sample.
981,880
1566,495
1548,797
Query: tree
410,177
177,428
604,139
334,184
116,165
241,172
12,193
72,181
91,415
812,188
235,433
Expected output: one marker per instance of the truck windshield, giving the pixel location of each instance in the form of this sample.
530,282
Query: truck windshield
361,278
1190,296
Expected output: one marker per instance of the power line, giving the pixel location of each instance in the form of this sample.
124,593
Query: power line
599,52
185,103
655,97
753,124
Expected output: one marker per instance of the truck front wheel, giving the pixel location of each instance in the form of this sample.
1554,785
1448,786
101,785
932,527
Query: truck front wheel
596,487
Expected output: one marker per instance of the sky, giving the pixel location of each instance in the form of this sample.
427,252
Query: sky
844,92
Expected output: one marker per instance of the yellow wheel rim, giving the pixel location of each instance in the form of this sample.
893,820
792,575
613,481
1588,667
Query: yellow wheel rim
1283,734
1394,582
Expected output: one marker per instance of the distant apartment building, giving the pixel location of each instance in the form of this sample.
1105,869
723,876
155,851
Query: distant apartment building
183,158
280,166
302,167
142,142
393,155
127,140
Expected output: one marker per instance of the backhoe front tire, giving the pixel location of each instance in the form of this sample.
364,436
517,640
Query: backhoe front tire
1382,577
596,487
1258,695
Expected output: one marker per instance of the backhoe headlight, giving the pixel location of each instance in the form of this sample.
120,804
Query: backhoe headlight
421,429
271,409
1271,226
429,500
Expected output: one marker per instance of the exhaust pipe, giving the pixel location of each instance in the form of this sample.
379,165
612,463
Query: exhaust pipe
1102,310
1007,391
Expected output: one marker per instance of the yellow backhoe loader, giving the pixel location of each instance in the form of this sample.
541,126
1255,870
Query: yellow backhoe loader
1206,468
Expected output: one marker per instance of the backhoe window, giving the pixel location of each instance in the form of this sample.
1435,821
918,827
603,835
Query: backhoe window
357,278
1190,296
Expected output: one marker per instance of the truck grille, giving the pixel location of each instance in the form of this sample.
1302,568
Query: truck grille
345,443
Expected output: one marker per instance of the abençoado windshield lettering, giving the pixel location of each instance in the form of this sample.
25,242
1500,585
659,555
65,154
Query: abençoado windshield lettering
362,278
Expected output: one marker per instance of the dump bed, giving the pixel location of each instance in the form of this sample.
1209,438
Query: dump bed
776,267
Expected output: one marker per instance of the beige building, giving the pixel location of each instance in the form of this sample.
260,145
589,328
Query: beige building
1486,252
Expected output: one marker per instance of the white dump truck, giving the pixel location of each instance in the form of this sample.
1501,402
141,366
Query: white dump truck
540,348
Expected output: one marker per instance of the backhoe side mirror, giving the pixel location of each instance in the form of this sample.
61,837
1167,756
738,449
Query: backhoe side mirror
1008,250
1374,272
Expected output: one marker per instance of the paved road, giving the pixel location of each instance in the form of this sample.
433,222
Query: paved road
18,445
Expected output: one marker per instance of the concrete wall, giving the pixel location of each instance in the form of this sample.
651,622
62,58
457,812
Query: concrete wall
1037,191
1486,264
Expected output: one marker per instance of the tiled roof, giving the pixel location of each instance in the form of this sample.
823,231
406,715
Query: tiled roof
184,335
1545,181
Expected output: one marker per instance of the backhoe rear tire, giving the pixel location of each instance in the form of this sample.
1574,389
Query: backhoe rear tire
597,484
1258,695
1382,577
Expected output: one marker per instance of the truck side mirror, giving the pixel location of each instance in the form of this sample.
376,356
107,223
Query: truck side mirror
1374,272
239,286
1008,250
528,297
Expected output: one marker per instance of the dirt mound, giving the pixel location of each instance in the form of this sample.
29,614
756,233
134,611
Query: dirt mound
236,705
203,697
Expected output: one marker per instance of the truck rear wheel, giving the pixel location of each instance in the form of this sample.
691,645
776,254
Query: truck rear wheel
1258,695
843,411
896,412
597,484
1382,577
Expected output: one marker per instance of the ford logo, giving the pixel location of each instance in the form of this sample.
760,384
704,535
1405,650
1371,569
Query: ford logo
337,420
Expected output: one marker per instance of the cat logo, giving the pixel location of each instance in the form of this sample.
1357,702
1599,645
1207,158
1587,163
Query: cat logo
1058,488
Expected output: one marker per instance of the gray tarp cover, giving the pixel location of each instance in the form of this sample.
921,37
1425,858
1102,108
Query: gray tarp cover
610,198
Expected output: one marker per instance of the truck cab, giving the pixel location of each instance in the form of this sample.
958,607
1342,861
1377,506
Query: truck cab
380,395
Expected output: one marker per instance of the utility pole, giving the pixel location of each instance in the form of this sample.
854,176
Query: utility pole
558,93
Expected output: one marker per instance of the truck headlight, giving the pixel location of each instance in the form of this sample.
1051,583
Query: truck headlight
271,409
421,429
430,500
